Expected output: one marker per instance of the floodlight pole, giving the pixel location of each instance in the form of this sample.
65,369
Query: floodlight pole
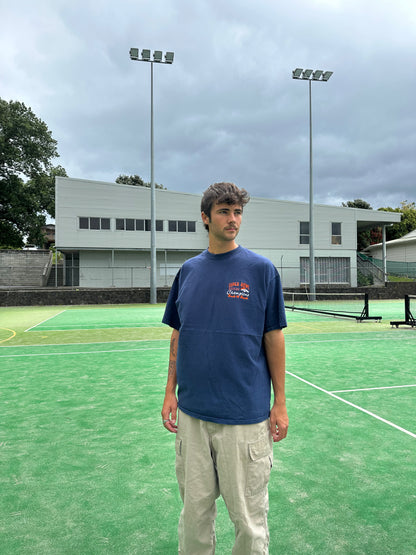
312,286
157,58
153,256
310,75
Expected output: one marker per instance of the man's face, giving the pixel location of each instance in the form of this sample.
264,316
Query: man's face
224,222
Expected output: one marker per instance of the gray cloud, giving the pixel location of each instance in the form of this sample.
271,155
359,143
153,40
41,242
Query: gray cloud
227,108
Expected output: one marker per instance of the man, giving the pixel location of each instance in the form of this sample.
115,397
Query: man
227,314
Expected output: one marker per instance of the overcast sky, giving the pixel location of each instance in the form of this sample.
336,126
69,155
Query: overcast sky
228,108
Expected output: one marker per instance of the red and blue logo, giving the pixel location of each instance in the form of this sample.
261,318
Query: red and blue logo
238,290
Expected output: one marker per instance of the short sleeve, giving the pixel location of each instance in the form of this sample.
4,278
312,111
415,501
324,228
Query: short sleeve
171,316
275,316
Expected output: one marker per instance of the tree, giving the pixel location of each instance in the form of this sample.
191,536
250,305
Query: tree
135,180
407,223
357,203
27,176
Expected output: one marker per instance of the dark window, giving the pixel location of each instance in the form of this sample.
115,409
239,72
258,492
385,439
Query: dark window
119,224
84,223
159,225
304,233
181,226
105,223
94,223
336,238
72,268
139,225
129,224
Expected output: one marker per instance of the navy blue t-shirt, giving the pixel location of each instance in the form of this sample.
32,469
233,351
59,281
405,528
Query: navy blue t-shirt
222,305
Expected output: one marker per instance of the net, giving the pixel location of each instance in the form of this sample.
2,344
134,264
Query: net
409,312
341,305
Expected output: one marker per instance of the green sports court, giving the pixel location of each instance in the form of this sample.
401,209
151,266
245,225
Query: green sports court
87,468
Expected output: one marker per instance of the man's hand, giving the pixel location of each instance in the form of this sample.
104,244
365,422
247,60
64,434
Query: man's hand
169,411
279,421
170,404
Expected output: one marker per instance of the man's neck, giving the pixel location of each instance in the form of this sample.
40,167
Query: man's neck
219,247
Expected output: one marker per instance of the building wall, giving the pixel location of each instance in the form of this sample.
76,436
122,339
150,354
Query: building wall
121,258
403,252
103,268
78,198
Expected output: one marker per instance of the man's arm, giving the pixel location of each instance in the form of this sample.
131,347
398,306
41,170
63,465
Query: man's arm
274,344
170,404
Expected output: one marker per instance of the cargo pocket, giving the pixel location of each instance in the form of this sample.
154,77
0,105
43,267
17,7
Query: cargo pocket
259,465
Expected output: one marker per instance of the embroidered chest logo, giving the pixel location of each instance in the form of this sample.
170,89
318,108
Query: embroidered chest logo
238,290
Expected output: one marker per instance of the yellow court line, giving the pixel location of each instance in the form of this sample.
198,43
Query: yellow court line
7,338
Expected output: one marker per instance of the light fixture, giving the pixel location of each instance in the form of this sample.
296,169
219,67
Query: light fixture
146,55
327,75
310,74
134,53
169,57
317,74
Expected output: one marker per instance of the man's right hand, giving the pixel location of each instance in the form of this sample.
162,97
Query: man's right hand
169,412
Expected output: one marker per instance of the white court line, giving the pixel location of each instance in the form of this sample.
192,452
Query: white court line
354,406
349,340
43,321
128,325
82,352
89,343
372,388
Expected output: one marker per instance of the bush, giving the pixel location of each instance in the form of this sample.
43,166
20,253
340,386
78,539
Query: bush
363,280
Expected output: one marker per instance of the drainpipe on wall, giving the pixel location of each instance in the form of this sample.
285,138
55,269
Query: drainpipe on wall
384,254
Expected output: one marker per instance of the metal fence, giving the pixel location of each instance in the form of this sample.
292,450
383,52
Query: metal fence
328,272
401,269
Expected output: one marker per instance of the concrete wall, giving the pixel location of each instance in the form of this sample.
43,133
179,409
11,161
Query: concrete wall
67,296
23,268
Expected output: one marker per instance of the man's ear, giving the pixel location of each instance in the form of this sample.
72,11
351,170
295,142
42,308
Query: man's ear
205,218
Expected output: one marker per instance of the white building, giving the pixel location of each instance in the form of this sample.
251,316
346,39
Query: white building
104,231
400,254
398,250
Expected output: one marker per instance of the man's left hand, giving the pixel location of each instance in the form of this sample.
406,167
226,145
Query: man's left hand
279,422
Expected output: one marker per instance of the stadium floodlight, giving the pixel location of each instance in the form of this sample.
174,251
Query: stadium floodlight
134,53
157,58
317,75
327,75
169,57
146,55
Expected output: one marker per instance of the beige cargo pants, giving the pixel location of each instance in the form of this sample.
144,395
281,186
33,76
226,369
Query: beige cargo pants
232,461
